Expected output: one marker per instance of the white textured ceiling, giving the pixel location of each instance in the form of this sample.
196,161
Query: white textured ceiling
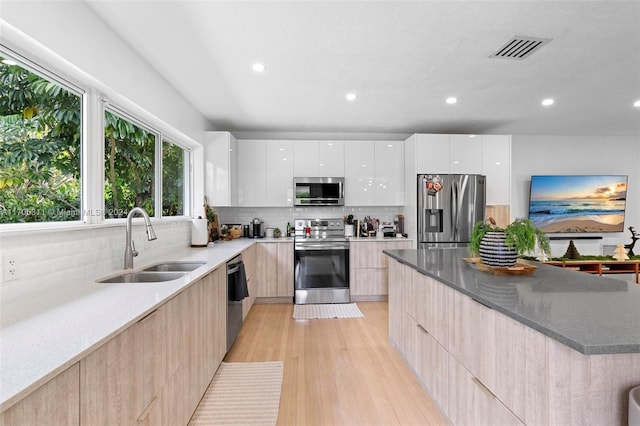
401,58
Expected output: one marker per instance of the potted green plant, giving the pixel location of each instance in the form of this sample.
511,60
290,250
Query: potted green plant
499,246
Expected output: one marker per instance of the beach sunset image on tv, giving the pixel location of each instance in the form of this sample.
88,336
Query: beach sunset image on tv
578,203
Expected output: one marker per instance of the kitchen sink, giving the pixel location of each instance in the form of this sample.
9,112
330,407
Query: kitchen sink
143,277
185,266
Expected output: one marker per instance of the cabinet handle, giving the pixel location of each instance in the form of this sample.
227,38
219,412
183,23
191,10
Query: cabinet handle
146,411
484,388
422,328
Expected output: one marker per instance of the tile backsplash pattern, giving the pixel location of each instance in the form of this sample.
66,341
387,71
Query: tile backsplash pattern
53,257
279,216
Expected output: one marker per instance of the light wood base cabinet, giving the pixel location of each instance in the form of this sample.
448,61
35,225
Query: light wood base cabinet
274,269
121,382
368,267
54,403
156,371
485,368
250,266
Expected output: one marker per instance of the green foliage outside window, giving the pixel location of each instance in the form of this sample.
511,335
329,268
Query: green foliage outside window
172,180
40,156
40,153
129,167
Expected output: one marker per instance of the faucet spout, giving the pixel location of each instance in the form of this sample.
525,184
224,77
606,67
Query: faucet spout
129,249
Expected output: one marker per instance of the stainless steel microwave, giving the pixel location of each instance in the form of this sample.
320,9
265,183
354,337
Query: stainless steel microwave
319,191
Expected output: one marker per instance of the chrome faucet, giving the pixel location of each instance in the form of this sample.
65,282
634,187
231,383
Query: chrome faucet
130,249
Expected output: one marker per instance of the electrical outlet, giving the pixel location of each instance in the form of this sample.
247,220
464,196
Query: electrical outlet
10,268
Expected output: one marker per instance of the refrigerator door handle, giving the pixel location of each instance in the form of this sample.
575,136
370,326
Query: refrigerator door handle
454,210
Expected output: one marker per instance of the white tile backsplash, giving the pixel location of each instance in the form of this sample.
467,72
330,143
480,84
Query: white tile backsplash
279,216
53,257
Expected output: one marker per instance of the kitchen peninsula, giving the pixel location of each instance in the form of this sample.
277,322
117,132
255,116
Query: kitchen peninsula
554,347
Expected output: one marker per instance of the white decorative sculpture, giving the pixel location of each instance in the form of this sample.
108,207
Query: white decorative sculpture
620,253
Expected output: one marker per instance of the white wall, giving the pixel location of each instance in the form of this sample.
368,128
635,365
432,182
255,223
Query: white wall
73,32
67,38
564,155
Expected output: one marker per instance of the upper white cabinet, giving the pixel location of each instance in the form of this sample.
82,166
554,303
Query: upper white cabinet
465,154
432,153
389,173
330,158
374,173
279,173
359,177
496,166
318,158
221,168
252,172
448,154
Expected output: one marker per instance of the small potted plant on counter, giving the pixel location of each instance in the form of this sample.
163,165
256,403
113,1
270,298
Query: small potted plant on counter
501,247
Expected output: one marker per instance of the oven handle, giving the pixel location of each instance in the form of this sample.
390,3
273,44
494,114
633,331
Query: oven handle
322,247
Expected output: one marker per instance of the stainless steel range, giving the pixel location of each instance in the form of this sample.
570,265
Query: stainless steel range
321,261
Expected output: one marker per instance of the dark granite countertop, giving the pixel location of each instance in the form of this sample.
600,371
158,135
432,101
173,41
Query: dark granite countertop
589,313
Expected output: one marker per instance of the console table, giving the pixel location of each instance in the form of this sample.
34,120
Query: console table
600,267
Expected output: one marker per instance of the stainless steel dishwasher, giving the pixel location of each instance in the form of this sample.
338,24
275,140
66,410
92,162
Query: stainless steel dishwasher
236,291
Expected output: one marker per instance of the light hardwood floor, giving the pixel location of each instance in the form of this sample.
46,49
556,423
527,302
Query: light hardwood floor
336,371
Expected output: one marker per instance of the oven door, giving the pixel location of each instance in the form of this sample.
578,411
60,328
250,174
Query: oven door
321,272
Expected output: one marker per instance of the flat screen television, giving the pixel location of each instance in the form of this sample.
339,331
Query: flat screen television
578,203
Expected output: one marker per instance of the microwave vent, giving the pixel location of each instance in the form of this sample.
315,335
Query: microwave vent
520,47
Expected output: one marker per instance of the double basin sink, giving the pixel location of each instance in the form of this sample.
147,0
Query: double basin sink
159,272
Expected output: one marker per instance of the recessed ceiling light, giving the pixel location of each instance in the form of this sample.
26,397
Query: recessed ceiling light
351,96
452,100
547,102
258,67
9,62
472,136
390,145
636,104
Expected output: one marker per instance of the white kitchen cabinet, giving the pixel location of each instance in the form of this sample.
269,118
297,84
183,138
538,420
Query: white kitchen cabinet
221,168
279,173
305,158
389,173
432,153
57,402
496,166
318,158
252,172
465,154
330,158
359,173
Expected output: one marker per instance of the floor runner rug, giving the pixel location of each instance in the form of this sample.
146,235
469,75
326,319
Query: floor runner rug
333,310
242,393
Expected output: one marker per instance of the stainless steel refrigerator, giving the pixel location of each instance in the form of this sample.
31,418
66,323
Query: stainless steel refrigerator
448,208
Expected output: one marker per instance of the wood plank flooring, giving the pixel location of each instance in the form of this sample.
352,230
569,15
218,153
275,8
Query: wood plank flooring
336,371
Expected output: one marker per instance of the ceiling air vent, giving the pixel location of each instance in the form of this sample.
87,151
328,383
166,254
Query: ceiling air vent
520,47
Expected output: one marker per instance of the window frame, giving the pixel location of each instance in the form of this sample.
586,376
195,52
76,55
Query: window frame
158,154
82,94
93,102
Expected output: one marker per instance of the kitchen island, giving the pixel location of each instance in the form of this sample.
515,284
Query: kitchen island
554,347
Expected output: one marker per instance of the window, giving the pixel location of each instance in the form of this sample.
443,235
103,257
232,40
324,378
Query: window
129,166
40,147
174,178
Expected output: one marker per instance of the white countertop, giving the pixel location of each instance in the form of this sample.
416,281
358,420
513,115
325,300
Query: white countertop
43,334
